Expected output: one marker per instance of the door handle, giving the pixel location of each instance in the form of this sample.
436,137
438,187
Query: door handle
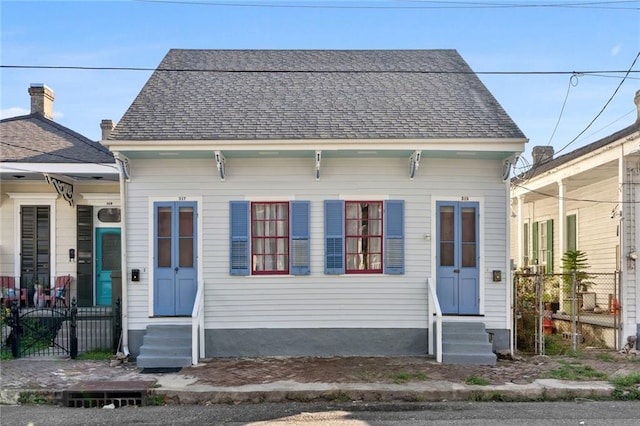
456,271
176,269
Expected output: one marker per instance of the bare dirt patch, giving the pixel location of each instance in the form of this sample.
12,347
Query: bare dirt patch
522,370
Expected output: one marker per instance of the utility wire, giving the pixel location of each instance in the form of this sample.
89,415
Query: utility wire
64,157
275,70
586,200
529,174
604,5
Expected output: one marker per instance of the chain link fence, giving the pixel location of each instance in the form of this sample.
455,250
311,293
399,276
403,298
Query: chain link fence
574,310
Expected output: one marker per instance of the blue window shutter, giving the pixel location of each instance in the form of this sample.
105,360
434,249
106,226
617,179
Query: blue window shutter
394,237
239,238
334,237
299,238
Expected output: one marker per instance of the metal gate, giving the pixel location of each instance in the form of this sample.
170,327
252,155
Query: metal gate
561,310
59,331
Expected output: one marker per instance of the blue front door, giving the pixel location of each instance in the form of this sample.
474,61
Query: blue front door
175,280
457,278
107,261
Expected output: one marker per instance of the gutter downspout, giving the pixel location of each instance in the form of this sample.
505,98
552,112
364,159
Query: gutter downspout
123,175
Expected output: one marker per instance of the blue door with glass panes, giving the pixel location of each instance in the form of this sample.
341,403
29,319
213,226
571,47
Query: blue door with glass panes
457,257
175,278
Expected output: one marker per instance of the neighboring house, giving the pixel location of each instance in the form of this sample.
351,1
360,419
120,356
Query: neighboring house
584,200
59,207
308,196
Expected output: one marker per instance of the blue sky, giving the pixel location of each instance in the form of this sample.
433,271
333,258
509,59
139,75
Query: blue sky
491,35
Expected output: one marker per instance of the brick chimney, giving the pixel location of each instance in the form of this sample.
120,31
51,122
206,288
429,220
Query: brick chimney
107,126
542,153
636,99
41,100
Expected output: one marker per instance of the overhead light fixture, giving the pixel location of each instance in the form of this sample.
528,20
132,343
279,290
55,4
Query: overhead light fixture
414,163
220,164
318,159
18,176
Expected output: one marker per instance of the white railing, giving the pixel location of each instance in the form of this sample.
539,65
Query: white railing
434,311
197,326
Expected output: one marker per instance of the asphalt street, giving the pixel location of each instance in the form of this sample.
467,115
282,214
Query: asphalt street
579,412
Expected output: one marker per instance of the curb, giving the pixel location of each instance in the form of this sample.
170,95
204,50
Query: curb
189,393
420,392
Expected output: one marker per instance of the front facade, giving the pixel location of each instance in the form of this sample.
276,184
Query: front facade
585,200
309,195
59,209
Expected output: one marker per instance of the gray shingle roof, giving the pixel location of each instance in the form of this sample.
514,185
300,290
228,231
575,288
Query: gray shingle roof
35,139
313,94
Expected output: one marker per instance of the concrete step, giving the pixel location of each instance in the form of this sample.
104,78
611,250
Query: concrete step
151,361
165,346
466,343
465,347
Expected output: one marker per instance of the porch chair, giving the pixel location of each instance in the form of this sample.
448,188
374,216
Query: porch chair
10,292
58,294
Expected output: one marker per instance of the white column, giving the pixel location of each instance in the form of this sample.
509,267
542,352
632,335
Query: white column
561,238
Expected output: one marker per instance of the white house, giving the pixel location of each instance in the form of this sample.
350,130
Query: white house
309,196
586,200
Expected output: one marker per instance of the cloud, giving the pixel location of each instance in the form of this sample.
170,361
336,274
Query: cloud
12,112
615,50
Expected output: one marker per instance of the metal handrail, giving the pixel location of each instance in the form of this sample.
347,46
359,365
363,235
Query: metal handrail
434,310
197,326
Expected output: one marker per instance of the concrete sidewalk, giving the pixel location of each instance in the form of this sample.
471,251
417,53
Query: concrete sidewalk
193,385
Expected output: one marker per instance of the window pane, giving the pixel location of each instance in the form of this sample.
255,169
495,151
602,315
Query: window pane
468,225
375,245
468,255
446,223
109,215
186,253
186,221
375,210
446,254
164,221
257,246
164,252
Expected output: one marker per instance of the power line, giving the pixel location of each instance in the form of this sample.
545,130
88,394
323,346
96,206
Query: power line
64,157
601,5
585,200
539,164
596,73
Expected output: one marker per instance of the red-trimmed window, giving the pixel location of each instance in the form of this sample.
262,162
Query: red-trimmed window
269,238
363,237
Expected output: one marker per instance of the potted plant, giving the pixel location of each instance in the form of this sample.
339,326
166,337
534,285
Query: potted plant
575,262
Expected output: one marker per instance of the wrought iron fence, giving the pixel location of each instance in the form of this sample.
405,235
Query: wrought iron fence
580,310
59,331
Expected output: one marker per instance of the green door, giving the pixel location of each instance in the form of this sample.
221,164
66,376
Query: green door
107,261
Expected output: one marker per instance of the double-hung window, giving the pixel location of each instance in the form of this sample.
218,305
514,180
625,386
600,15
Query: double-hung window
364,237
543,245
269,238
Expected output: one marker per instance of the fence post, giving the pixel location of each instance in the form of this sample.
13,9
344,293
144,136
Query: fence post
73,335
117,325
15,328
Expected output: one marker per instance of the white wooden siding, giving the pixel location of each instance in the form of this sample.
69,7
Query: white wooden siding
318,300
